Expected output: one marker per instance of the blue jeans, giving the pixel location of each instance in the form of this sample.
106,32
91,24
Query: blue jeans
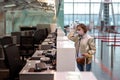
81,67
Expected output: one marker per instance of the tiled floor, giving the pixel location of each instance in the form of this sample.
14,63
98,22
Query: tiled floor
102,68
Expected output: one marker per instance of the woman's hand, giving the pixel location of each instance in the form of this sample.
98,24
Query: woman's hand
86,55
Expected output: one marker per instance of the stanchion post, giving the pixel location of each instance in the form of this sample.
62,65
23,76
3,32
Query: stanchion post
101,49
112,57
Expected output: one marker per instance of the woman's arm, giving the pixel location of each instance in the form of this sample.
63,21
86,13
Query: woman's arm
72,37
92,47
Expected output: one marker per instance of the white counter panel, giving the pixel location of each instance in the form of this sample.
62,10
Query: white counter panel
65,56
60,32
62,38
65,44
74,76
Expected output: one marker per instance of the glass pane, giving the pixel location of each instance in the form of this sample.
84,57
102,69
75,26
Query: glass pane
68,0
115,8
116,19
81,8
115,0
68,8
95,0
68,19
89,0
84,12
81,0
76,1
95,8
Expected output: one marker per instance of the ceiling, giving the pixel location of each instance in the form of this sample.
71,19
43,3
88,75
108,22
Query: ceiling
47,5
28,13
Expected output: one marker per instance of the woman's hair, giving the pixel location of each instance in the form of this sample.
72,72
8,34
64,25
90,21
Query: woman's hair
83,26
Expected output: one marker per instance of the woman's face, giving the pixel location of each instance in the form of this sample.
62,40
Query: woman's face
80,31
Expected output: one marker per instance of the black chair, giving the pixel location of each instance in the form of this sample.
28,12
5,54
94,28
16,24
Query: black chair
17,34
39,36
46,32
14,62
26,46
26,28
6,40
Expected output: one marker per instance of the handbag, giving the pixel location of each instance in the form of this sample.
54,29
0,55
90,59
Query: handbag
82,60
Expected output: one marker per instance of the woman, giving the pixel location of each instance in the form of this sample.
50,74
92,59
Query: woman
85,46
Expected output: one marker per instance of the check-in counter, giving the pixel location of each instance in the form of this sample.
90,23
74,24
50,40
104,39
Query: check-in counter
26,74
65,65
60,32
53,27
74,76
59,76
62,38
65,56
